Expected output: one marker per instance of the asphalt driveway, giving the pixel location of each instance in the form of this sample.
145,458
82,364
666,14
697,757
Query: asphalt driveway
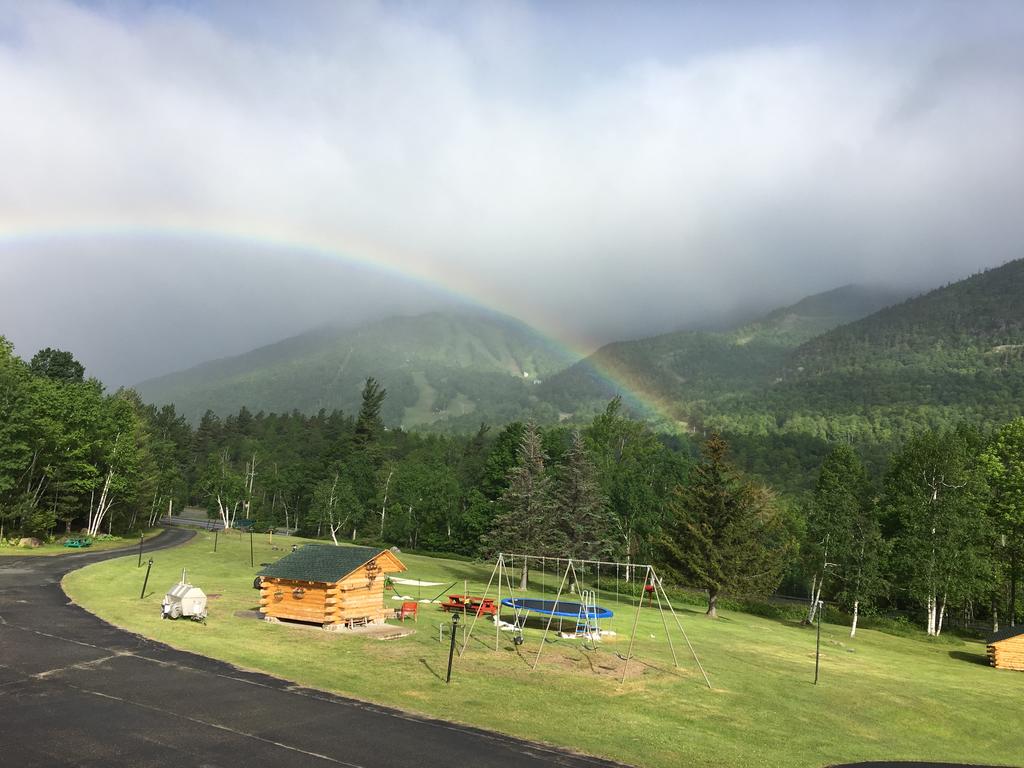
75,690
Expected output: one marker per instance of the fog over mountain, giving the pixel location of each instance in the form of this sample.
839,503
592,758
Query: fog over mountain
601,171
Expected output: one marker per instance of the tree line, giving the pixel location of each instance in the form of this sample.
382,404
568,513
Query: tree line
934,526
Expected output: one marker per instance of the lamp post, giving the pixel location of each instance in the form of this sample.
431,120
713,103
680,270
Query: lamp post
451,648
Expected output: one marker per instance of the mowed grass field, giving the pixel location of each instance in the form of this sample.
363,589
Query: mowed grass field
879,697
57,548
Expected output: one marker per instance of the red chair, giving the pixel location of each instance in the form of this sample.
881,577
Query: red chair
409,609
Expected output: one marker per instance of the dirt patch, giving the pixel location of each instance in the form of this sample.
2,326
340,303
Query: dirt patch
377,631
608,665
372,631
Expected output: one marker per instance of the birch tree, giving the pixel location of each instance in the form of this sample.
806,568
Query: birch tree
224,487
334,502
935,495
844,548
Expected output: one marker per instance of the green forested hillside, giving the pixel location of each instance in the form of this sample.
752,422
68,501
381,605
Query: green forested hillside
837,367
954,354
435,367
688,368
854,364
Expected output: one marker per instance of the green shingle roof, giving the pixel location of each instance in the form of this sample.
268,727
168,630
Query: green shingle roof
320,562
1005,634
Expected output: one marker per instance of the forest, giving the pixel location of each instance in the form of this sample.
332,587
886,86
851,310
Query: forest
931,527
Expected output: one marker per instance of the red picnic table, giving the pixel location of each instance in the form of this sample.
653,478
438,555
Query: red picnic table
471,604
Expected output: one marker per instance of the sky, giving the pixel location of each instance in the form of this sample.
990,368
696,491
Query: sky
188,180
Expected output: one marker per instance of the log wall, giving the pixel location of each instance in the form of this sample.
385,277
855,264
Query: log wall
279,600
354,598
1008,653
358,597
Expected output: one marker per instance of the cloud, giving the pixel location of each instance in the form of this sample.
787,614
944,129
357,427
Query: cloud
568,172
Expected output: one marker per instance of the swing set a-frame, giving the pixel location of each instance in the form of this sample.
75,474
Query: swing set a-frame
587,626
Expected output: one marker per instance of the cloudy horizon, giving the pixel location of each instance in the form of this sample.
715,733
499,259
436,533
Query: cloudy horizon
599,170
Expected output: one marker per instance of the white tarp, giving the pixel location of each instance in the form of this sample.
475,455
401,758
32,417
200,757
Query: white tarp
416,582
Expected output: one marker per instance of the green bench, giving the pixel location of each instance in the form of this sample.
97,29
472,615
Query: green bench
78,543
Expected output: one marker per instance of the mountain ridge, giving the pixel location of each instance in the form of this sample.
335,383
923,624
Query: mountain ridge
415,357
687,365
855,362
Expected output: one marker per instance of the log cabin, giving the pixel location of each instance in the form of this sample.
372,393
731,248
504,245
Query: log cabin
336,587
1006,649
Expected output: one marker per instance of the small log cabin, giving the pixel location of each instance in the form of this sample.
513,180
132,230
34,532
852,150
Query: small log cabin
1006,649
335,587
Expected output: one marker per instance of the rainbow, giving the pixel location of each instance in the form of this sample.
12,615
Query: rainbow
418,268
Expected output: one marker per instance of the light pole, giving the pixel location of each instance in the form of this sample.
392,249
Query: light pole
451,648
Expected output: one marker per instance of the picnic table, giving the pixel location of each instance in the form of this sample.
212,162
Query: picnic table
78,543
481,606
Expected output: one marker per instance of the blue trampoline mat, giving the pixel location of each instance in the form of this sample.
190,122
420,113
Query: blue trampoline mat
555,608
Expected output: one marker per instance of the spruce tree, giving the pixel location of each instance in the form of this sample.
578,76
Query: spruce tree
368,423
581,506
723,533
525,520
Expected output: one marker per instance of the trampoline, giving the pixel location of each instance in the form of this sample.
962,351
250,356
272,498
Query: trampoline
559,608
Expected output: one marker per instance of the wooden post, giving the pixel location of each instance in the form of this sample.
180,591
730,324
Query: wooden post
146,580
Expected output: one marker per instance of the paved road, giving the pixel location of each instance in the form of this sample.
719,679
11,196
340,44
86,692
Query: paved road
75,690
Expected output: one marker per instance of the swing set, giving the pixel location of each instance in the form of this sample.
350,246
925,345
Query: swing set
586,612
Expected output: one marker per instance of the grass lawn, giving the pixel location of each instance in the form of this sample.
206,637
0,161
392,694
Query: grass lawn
880,697
57,548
